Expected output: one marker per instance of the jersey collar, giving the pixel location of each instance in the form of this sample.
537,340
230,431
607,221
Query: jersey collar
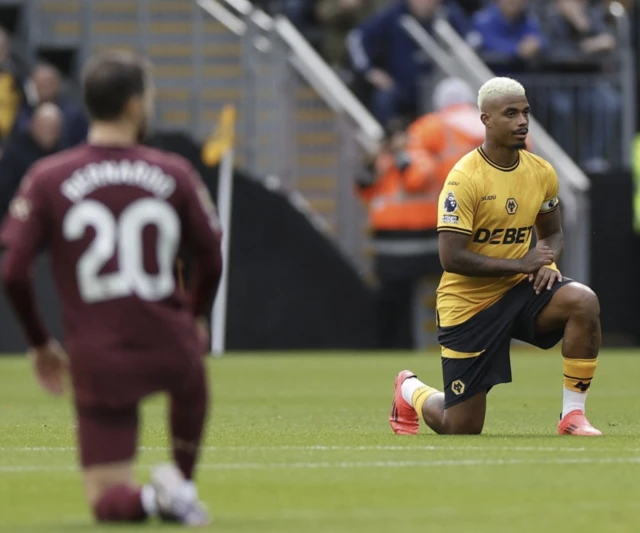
495,165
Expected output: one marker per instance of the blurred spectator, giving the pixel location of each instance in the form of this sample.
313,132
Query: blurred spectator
401,196
391,60
453,130
338,18
10,89
578,31
302,14
45,85
471,6
509,35
580,39
25,148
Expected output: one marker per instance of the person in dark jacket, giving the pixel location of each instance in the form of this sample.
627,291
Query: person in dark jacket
11,94
46,84
392,62
586,116
25,148
508,35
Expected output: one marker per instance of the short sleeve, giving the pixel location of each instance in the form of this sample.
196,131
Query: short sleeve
27,222
457,204
551,200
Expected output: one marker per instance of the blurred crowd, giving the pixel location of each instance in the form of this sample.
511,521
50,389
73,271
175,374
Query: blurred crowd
37,119
364,41
429,125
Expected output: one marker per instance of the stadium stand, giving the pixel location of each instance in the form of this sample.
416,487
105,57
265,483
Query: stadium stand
307,126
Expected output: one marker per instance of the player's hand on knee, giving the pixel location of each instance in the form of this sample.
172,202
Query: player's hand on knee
535,259
51,366
545,278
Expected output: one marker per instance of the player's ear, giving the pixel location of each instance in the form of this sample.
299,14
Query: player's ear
486,119
135,107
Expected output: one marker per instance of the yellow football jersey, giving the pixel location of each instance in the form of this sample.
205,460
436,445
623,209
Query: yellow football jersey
497,207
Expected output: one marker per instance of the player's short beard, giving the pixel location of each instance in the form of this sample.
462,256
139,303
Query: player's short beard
520,145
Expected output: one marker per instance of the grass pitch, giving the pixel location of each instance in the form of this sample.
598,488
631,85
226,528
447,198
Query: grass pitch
302,444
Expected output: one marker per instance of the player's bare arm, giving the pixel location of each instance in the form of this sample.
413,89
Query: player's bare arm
457,259
549,232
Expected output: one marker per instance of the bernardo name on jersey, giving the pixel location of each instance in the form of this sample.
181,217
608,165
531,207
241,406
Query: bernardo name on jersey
497,207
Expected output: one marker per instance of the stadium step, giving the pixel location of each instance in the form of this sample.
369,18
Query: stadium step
57,23
198,68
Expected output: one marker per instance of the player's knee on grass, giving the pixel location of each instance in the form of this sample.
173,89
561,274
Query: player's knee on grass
466,418
99,479
119,503
464,426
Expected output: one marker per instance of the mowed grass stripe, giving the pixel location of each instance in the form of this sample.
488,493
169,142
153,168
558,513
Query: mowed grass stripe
365,464
427,448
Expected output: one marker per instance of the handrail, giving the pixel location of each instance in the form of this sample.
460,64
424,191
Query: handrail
623,25
325,80
628,77
245,7
306,61
226,17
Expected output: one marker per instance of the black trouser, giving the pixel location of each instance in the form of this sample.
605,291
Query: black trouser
395,314
398,276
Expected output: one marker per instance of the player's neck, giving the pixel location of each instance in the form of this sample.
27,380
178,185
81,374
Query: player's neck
112,134
500,155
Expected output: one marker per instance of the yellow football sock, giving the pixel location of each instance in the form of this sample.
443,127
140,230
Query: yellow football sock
420,396
578,373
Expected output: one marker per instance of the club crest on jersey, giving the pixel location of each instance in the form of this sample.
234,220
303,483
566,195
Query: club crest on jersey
450,203
512,206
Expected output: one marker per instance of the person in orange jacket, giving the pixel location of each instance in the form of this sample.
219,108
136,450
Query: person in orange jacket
452,130
401,195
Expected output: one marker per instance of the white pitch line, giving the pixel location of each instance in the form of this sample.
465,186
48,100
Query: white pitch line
552,449
362,464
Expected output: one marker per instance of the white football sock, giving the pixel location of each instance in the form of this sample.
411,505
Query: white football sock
409,386
573,401
189,491
148,498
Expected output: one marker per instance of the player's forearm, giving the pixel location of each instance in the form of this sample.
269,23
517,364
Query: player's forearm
16,278
471,264
555,241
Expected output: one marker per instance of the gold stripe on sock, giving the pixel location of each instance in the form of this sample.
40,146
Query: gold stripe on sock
420,396
578,373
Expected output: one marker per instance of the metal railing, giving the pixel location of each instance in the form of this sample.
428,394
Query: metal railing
583,113
627,77
301,126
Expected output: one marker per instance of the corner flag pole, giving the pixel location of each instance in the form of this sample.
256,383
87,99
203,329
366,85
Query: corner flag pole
220,149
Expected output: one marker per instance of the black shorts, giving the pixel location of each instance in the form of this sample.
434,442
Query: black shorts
482,343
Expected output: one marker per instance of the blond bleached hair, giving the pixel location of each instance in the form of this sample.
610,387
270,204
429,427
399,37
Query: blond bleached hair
497,87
